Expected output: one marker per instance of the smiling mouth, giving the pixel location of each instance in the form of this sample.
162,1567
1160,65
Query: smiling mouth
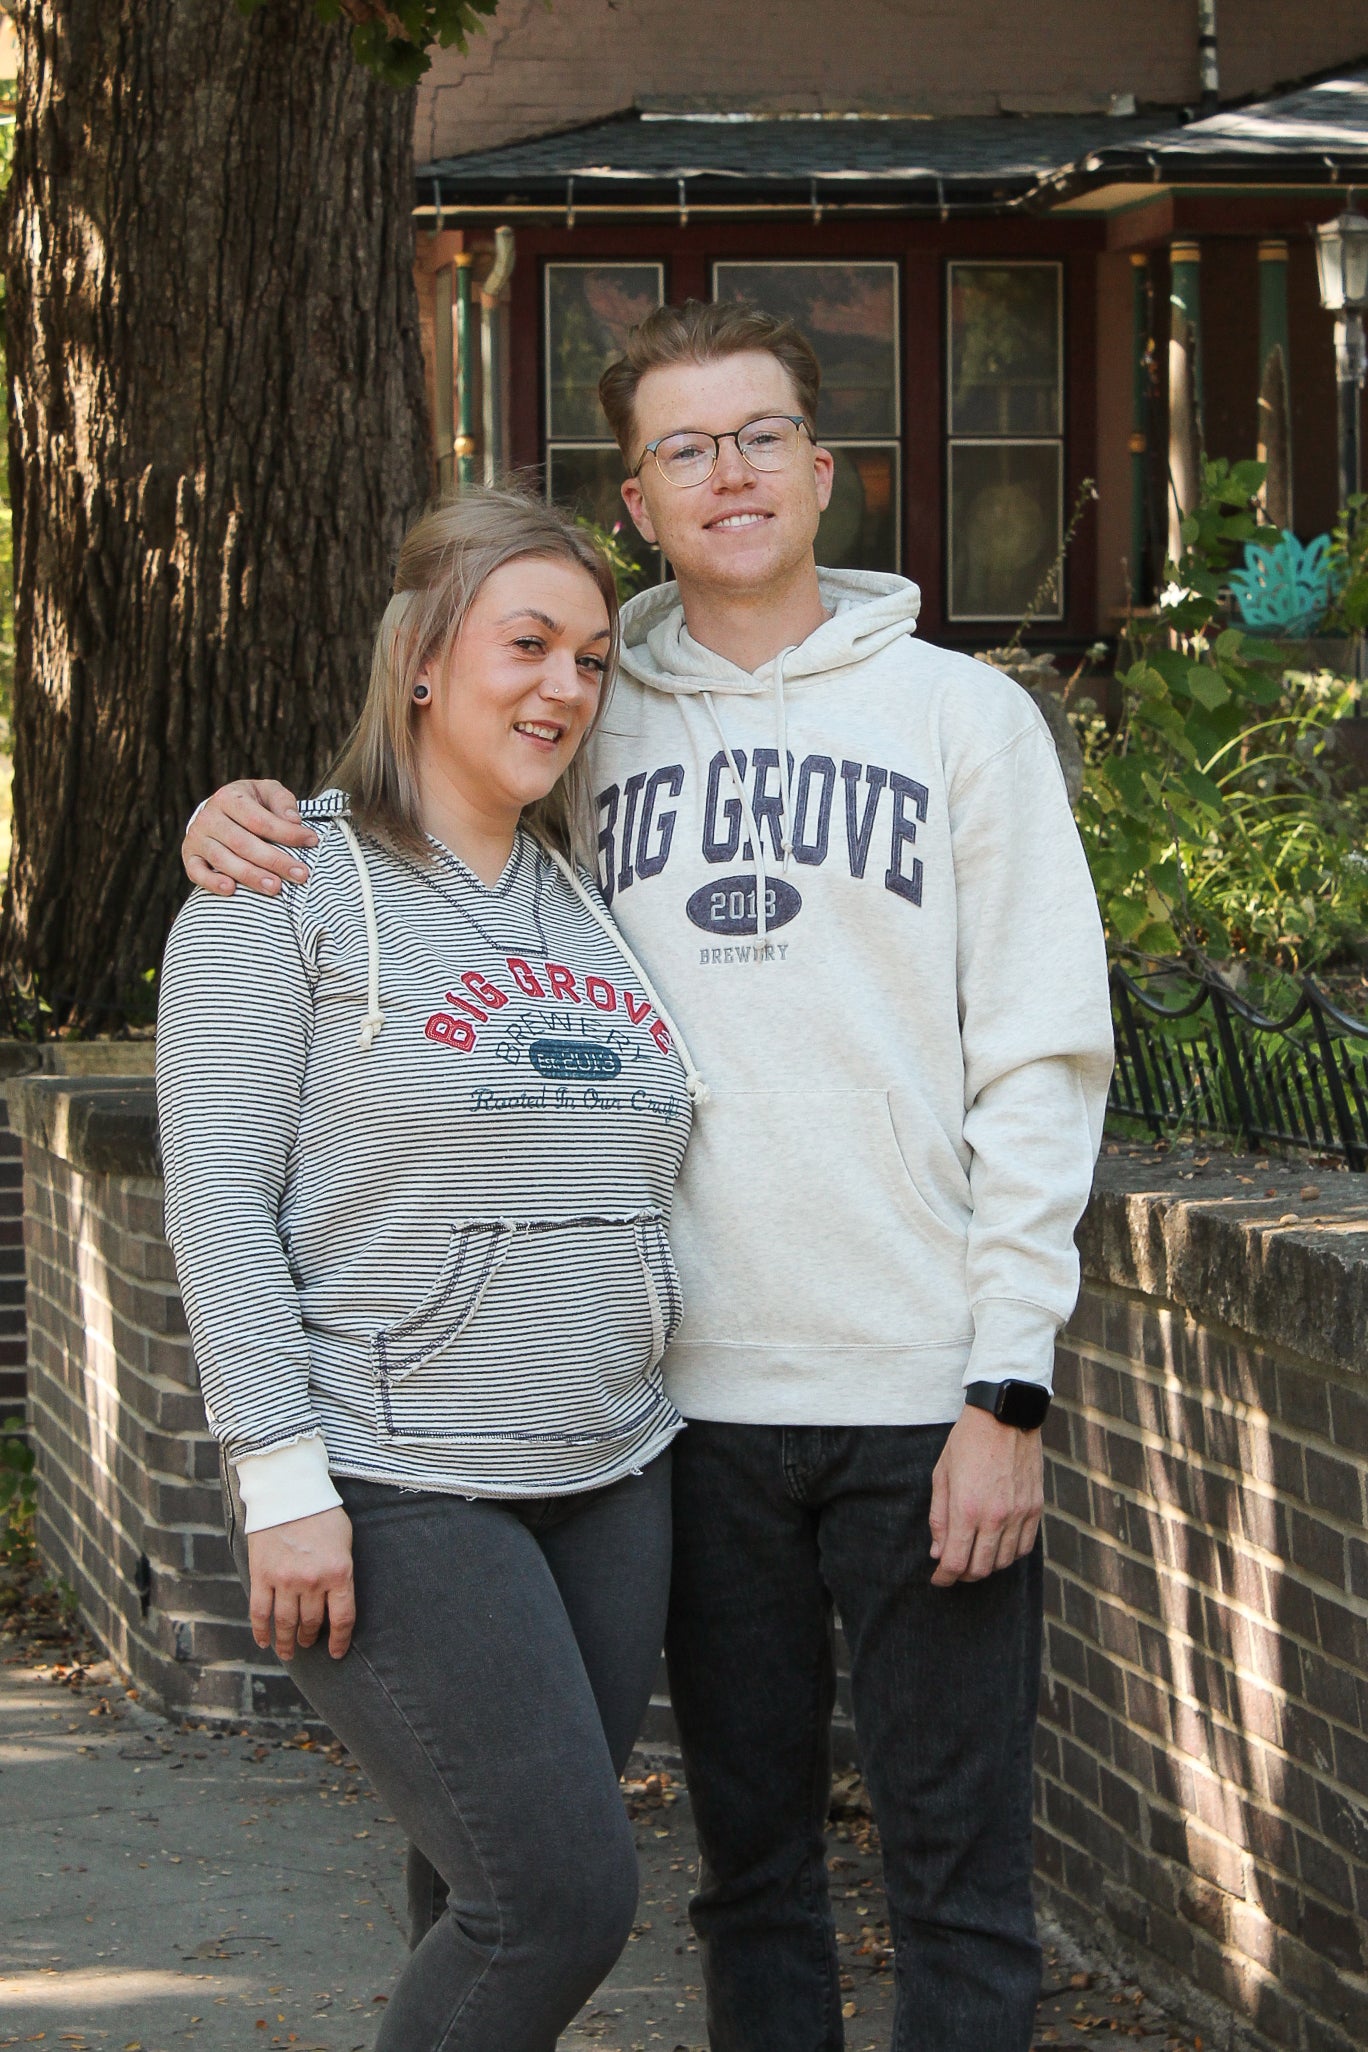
736,520
539,730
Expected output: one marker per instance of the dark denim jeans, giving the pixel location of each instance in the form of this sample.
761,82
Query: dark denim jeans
772,1526
501,1665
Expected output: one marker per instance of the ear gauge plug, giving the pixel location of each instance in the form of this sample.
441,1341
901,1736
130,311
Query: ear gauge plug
422,693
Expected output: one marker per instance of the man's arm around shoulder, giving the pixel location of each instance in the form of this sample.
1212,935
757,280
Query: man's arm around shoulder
243,835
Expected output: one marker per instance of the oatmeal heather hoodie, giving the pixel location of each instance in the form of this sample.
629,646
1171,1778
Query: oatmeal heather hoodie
857,883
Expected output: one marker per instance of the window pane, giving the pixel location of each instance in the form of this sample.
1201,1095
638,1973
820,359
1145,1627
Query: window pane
849,314
859,530
1004,349
1005,526
588,482
589,310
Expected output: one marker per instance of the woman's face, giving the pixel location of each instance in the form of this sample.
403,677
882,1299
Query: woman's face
513,699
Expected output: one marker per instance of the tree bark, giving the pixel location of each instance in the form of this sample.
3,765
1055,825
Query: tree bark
217,436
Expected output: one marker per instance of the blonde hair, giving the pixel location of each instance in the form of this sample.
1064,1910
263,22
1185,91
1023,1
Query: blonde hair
703,331
444,560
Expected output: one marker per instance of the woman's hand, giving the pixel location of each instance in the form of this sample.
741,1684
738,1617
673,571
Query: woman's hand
243,835
302,1572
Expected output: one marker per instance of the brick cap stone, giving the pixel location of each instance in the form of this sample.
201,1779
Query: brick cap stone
77,1057
1288,1271
102,1125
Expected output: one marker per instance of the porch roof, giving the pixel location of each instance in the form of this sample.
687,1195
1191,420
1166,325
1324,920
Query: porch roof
637,157
1314,135
1317,135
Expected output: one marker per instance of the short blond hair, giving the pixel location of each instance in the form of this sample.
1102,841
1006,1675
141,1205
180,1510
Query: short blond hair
444,559
704,331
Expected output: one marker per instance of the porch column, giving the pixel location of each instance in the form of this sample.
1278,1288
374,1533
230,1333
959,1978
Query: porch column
465,365
1275,403
1185,386
444,381
493,366
1139,437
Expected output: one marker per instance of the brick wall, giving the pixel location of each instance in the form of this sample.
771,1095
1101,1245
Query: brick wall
128,1503
1203,1757
19,1058
537,68
13,1345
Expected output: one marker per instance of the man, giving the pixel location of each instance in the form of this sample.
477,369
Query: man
848,861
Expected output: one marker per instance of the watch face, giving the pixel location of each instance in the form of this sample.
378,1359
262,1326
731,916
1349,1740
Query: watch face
1023,1404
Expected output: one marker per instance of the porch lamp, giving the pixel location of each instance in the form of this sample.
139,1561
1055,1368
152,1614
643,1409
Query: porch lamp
1342,261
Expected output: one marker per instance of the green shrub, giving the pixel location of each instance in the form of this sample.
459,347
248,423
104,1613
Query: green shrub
1215,815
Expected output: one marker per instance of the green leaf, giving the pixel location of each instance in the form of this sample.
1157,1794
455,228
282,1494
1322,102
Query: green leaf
1249,478
1203,788
1127,918
1157,938
1207,686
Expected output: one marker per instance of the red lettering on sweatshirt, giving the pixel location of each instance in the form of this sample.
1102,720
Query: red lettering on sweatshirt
450,1032
486,992
524,976
457,1027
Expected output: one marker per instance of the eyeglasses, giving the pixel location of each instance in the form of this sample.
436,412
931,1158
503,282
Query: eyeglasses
687,458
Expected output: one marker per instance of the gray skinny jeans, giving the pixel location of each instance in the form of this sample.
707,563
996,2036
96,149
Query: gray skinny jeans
501,1665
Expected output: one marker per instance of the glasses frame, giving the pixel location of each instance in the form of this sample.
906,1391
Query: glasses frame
731,435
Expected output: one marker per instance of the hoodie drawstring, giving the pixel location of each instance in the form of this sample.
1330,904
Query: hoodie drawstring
374,1018
757,848
785,759
699,1092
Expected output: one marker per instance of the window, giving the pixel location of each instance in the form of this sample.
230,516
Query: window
849,312
589,310
1006,427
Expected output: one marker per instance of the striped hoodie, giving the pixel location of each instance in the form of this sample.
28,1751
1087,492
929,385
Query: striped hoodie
420,1141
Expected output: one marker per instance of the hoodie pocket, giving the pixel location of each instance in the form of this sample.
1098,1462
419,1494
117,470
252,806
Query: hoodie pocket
803,1221
542,1331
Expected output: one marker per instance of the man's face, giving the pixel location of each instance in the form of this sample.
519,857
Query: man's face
741,529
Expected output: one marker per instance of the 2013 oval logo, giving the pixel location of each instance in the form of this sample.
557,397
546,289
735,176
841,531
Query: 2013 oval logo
574,1061
728,906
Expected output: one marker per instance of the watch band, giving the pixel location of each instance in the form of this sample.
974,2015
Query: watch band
1023,1404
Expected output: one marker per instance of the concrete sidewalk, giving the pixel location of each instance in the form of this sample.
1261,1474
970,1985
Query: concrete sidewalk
163,1887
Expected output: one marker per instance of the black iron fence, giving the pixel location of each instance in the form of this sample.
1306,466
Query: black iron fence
1193,1054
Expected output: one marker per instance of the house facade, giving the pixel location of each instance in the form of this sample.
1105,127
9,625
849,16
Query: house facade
1033,248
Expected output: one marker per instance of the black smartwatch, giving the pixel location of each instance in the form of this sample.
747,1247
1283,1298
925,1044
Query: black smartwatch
1022,1404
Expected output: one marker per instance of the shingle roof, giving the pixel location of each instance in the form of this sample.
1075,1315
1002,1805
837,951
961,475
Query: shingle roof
1329,118
1312,135
773,157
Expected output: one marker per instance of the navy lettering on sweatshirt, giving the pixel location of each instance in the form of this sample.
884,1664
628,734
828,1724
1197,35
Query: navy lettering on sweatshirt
858,813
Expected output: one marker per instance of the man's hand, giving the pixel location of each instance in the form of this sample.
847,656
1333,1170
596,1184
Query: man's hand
986,1498
243,836
302,1572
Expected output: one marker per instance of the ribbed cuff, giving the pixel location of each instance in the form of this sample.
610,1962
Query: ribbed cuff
1013,1342
286,1483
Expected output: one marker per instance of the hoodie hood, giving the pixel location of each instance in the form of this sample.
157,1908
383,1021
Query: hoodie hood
869,609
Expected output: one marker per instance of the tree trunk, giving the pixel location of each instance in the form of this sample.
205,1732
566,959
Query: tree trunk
217,438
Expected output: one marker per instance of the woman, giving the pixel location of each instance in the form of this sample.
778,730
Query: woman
421,1118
